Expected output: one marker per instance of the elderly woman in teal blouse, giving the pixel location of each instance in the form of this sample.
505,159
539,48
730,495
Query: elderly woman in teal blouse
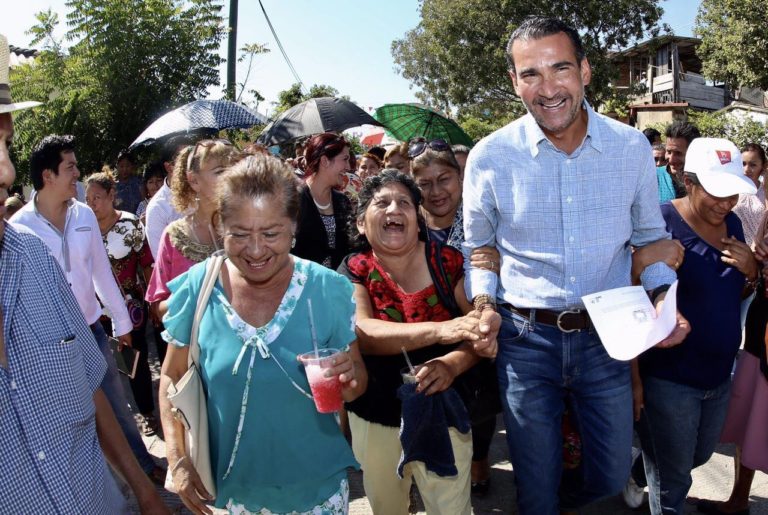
271,451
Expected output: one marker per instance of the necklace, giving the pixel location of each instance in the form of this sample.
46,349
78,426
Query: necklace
322,207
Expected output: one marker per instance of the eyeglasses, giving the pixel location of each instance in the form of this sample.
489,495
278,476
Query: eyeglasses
417,146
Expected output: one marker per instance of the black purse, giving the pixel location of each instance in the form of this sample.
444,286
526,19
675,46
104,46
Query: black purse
478,387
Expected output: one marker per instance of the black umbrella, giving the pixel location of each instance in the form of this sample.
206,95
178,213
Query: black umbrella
315,116
199,116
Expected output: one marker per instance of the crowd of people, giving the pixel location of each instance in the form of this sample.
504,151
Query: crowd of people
450,282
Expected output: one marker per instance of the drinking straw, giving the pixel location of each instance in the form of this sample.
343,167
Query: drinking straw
312,328
408,360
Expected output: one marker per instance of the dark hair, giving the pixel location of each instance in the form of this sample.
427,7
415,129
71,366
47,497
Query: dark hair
47,156
652,134
326,144
754,147
125,154
174,145
538,27
692,177
254,176
684,130
378,152
154,169
372,185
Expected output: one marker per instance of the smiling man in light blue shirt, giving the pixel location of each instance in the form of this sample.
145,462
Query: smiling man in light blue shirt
563,193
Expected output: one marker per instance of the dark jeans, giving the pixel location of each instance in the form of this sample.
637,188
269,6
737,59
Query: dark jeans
113,388
538,367
679,430
141,384
482,435
160,344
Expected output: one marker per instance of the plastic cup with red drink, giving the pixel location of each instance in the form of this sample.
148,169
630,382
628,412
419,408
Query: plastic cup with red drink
326,391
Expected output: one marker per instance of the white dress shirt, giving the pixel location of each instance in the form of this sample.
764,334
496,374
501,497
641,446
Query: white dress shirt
160,212
80,252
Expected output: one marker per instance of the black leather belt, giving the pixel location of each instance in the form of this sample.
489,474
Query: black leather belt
567,321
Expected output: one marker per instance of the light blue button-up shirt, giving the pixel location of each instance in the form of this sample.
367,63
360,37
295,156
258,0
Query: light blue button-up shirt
562,223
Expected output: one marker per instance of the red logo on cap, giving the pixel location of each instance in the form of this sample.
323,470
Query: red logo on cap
724,156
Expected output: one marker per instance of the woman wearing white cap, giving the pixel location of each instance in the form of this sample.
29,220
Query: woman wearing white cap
686,388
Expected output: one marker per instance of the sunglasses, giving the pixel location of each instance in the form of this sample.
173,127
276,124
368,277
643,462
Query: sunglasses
206,143
417,146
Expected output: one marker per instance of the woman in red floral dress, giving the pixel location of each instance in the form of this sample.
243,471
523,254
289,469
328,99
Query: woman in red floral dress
399,307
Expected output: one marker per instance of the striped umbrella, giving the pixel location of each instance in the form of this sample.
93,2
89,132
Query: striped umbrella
406,121
199,116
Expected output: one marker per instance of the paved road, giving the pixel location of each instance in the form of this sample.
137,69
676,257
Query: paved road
712,481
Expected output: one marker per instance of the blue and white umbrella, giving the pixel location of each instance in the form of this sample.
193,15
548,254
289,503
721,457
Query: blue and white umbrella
199,116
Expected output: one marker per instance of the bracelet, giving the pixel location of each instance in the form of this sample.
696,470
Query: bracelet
751,285
482,301
176,465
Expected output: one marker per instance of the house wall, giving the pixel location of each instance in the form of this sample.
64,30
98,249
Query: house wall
743,114
701,95
656,116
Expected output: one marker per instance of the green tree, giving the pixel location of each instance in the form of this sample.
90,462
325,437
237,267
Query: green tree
456,55
294,95
734,41
249,52
723,125
129,62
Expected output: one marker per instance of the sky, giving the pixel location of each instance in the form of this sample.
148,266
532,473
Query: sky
342,43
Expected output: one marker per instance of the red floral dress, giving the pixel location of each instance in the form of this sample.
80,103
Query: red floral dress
390,303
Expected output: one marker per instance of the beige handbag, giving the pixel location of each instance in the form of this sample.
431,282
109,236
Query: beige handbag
187,395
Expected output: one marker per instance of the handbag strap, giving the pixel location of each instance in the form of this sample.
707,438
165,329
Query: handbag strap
440,279
209,281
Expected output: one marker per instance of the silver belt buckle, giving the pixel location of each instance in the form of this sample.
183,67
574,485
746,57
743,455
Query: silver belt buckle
560,316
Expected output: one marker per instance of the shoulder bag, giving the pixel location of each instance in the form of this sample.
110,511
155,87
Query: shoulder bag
188,396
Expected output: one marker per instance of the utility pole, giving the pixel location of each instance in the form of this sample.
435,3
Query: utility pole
232,51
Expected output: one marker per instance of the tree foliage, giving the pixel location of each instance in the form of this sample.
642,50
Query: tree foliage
456,55
128,62
294,95
249,52
734,41
725,125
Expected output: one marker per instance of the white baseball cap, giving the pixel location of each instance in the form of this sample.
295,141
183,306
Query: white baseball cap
717,164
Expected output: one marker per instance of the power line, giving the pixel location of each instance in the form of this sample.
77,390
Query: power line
282,50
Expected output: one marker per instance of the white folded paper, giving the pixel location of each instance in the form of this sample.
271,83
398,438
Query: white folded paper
626,320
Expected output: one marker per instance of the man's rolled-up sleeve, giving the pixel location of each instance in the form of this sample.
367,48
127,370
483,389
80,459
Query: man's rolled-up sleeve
648,225
480,221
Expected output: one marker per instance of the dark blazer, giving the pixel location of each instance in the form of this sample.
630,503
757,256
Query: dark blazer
311,238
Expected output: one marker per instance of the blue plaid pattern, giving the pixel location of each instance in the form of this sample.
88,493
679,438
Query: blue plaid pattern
52,461
562,223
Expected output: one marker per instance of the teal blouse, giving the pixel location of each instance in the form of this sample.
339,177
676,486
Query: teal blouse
270,448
